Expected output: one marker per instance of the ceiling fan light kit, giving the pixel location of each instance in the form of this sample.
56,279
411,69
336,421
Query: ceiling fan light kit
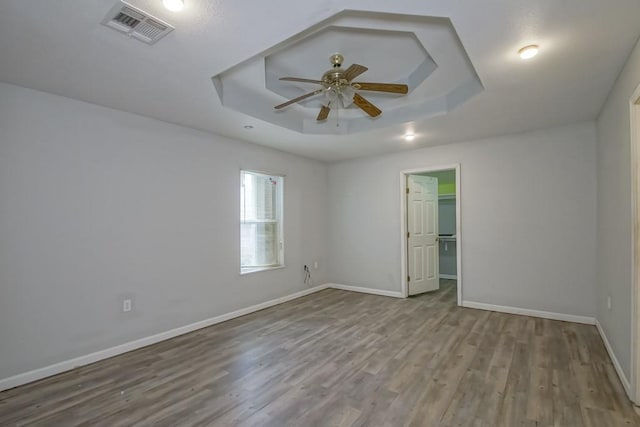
339,89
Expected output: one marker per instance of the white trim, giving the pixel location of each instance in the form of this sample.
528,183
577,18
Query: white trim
282,174
394,294
279,221
259,269
623,379
528,312
67,365
634,142
448,276
403,225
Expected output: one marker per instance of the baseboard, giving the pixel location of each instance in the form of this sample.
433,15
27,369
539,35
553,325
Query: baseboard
448,276
529,312
68,365
382,292
616,364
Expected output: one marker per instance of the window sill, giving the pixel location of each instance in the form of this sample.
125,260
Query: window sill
259,269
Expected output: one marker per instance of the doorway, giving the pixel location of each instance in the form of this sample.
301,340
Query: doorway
431,231
634,106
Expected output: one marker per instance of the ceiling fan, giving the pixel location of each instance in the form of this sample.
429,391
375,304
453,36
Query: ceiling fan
338,87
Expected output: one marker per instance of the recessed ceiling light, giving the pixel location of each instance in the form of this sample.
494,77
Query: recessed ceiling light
173,5
409,137
528,52
248,127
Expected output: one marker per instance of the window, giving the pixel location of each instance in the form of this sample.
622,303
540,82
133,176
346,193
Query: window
261,245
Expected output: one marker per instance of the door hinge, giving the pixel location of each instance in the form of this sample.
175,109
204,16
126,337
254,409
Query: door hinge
408,234
408,278
407,190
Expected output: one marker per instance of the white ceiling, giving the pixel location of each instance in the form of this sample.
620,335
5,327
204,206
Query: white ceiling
437,82
59,47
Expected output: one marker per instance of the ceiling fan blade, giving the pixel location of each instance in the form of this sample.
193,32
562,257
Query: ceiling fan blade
366,106
354,71
381,87
297,79
323,114
300,98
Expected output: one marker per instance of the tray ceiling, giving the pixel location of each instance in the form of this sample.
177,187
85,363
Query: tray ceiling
395,48
583,47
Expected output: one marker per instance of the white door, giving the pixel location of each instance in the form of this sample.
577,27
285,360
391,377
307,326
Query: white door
422,234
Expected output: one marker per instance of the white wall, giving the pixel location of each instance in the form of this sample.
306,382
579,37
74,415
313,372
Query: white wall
614,213
528,218
97,204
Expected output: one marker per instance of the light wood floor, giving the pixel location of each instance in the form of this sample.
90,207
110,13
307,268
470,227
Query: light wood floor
340,358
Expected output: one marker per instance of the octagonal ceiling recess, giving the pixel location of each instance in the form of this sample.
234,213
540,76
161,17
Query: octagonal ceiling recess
423,52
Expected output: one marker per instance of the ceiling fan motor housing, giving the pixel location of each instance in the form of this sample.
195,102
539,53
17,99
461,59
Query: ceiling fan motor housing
335,78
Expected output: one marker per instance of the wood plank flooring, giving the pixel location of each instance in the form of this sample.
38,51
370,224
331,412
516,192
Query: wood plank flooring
338,358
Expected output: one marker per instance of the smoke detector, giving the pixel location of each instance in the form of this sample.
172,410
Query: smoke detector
136,23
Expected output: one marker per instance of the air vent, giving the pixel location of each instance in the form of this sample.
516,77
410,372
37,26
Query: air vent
135,23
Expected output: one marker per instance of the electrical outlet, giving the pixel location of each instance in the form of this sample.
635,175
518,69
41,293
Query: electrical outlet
126,305
315,265
609,302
